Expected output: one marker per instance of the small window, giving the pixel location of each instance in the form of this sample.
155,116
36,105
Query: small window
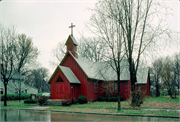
95,87
112,87
16,90
25,90
59,79
13,81
115,87
2,90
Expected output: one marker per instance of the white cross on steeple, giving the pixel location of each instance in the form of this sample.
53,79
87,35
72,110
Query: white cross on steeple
71,28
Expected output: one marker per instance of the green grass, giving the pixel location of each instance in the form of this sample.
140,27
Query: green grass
161,113
16,104
113,111
98,105
163,99
101,107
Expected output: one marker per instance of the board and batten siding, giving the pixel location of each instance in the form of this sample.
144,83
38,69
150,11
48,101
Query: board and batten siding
79,73
60,90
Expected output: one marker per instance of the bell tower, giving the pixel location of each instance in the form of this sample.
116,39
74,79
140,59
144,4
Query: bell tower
71,43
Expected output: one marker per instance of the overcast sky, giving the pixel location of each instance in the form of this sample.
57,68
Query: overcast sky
47,22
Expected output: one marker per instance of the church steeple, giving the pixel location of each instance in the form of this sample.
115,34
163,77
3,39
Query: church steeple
71,43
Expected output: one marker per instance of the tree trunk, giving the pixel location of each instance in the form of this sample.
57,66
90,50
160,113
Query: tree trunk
119,98
157,90
19,95
5,95
169,92
133,101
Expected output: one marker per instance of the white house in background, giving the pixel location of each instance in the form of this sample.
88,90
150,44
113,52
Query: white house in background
15,84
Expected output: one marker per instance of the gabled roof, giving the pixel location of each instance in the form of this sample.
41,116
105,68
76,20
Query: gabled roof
73,39
104,70
18,84
142,74
69,75
14,75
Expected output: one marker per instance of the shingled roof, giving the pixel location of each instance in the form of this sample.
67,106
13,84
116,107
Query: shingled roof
104,71
69,75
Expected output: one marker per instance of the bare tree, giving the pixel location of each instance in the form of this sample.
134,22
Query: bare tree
7,37
25,53
157,71
90,48
167,76
16,53
39,78
134,20
108,88
109,31
57,54
176,71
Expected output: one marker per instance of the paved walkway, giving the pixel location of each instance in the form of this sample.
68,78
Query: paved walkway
38,108
170,110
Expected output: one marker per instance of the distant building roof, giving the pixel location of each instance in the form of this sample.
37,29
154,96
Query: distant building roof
14,75
142,75
12,85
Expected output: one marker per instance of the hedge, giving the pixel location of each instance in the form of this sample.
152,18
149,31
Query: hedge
109,99
30,101
16,96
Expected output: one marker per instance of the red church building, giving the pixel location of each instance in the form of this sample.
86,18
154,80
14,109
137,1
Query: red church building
77,76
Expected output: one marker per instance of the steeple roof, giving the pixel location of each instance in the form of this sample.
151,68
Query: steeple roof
73,39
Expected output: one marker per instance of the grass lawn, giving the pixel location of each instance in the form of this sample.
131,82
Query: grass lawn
162,102
111,107
16,104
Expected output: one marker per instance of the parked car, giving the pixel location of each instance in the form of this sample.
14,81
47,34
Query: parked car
47,95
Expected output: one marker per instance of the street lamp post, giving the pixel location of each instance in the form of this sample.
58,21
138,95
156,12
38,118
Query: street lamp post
72,94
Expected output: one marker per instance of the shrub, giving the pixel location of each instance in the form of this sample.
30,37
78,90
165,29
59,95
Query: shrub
67,102
82,99
138,99
2,97
42,100
30,101
16,96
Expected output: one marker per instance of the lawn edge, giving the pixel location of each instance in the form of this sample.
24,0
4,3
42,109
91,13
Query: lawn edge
113,114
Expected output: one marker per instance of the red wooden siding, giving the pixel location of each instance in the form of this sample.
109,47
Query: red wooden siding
125,89
145,88
72,64
60,90
75,91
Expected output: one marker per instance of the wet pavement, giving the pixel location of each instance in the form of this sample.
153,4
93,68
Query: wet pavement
47,116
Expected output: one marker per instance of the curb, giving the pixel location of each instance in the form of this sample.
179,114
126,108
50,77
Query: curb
120,114
138,115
